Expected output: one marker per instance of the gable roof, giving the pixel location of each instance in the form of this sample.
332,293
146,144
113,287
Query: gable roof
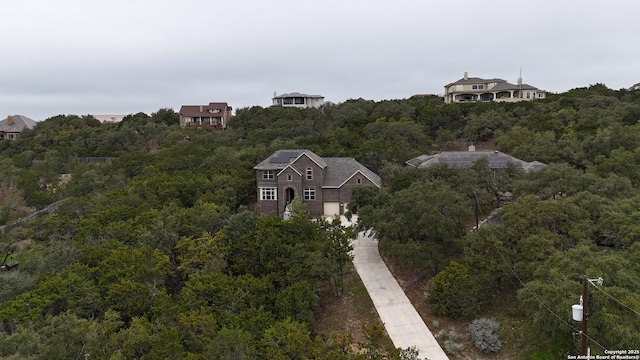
282,158
290,167
338,170
16,123
214,109
466,159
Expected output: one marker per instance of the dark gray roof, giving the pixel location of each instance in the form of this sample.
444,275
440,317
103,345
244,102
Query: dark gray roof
416,161
466,159
19,123
339,170
281,158
297,94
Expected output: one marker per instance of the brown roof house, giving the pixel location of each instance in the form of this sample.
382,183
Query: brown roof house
323,184
12,126
466,159
216,115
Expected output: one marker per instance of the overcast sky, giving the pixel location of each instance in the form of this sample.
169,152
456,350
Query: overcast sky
125,56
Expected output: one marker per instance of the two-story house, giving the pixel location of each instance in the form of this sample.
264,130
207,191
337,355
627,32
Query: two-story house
296,99
323,184
12,126
470,89
216,115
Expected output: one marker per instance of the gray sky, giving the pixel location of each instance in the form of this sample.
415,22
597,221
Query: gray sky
125,56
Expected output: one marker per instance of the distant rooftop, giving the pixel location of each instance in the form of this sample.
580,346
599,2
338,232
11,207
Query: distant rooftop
16,123
466,159
109,118
296,94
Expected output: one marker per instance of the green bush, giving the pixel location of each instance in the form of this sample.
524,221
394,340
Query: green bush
452,293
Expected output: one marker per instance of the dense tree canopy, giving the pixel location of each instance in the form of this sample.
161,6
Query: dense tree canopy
156,250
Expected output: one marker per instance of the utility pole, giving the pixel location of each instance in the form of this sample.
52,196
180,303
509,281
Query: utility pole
581,312
475,195
585,313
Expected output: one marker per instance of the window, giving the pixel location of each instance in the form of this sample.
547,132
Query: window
268,194
299,100
358,180
309,193
309,173
477,87
288,101
268,174
288,177
528,94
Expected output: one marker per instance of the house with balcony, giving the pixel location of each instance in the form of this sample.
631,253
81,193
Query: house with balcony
215,115
12,126
471,89
324,185
298,100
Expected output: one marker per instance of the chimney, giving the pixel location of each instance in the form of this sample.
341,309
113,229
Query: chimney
201,108
472,148
466,76
275,94
9,120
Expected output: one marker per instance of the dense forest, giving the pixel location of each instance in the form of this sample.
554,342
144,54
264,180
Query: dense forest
155,249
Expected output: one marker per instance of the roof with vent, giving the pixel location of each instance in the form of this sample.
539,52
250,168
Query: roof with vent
16,123
466,159
214,109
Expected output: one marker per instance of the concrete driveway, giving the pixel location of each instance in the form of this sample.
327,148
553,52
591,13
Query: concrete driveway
401,320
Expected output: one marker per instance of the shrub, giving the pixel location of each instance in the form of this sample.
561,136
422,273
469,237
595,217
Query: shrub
452,347
452,343
452,293
484,334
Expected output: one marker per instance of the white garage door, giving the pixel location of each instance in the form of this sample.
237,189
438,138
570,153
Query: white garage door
331,208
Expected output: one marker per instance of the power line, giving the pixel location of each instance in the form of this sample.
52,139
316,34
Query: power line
541,302
614,299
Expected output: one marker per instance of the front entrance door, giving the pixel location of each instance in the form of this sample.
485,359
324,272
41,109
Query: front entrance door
290,195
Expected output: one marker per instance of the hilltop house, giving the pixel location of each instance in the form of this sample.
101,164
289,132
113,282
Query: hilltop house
470,89
466,159
12,126
299,100
635,87
216,115
323,184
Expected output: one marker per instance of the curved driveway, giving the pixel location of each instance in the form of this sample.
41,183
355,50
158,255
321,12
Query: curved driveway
401,320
